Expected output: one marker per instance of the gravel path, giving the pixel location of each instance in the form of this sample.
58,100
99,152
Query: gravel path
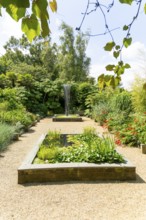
69,201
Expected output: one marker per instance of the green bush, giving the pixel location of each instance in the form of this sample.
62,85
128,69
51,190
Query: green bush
133,132
6,134
15,116
100,112
121,102
139,96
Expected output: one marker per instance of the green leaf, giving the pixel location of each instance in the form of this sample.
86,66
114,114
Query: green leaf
39,8
116,54
127,66
120,71
145,8
109,46
117,80
31,27
117,47
5,3
120,63
110,67
45,27
53,5
15,12
111,82
101,81
17,3
116,69
127,42
125,28
16,8
144,86
129,2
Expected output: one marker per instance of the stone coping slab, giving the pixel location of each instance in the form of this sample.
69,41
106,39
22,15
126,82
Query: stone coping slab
59,172
66,119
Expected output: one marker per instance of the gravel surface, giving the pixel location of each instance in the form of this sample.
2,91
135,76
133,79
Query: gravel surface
74,200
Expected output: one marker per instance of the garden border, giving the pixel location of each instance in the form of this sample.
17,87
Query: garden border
39,173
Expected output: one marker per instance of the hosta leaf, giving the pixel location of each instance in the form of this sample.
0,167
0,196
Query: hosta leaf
53,5
129,2
127,42
109,46
31,27
110,67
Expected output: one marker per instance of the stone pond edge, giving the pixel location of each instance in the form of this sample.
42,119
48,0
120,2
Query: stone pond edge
40,173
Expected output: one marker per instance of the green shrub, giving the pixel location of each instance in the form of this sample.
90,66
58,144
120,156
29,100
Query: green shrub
6,134
121,102
100,112
139,96
133,132
15,116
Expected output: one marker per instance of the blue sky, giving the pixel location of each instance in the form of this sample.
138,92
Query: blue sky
70,11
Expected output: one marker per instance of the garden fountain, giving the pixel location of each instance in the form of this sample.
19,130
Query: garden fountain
67,117
67,98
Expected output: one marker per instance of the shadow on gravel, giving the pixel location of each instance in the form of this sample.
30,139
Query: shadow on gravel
137,181
30,131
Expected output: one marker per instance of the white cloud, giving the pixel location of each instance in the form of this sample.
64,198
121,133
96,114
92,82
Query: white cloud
135,55
135,51
97,70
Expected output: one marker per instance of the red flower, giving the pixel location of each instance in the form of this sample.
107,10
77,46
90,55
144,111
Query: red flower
118,142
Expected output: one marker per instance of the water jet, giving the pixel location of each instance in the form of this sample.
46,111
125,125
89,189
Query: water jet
67,117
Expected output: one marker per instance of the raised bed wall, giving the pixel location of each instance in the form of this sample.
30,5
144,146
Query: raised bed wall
38,173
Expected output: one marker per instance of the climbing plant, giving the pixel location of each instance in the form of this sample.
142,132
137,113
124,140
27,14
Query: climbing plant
111,46
33,14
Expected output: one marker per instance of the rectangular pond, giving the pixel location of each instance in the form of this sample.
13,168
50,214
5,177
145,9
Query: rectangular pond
60,172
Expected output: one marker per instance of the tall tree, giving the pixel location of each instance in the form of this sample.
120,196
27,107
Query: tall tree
82,61
73,63
38,58
67,53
